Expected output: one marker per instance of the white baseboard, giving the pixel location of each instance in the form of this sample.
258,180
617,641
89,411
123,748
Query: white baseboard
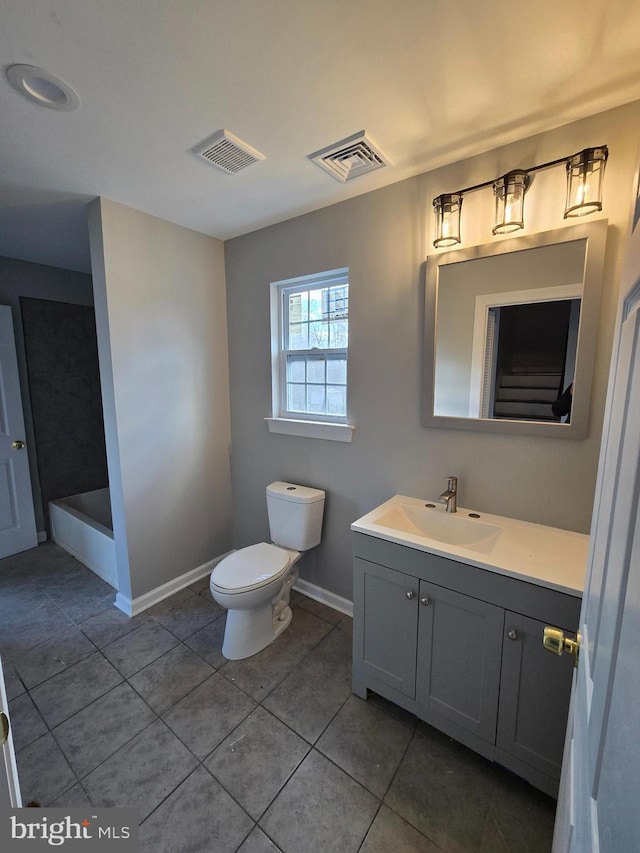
324,596
134,606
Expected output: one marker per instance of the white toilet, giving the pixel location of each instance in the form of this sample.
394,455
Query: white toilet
254,583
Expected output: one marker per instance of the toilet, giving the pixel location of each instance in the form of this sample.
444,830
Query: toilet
254,583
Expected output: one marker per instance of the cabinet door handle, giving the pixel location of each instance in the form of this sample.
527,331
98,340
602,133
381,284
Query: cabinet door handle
425,600
512,634
411,594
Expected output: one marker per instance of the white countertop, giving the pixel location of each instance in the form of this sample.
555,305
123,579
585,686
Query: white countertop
536,553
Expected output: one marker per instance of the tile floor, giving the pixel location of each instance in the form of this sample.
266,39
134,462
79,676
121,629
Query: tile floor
269,754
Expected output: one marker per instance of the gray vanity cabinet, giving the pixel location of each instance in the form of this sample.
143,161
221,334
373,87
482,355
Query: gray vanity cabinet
461,647
459,650
534,698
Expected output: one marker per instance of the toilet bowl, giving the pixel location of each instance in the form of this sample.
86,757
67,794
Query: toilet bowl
254,584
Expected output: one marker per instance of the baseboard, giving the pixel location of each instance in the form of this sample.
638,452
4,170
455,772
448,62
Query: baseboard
134,606
324,596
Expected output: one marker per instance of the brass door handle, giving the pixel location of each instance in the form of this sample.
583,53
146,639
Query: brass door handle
4,728
555,642
17,445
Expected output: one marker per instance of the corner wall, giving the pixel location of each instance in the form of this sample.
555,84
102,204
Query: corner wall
162,340
384,237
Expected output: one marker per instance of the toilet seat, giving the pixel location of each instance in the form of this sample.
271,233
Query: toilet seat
250,568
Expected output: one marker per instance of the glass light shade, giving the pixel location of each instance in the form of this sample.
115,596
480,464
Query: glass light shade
447,209
509,194
585,174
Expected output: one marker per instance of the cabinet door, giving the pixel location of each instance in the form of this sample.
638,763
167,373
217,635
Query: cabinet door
385,625
459,651
534,698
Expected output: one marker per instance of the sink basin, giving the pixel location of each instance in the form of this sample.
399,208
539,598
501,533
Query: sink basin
434,523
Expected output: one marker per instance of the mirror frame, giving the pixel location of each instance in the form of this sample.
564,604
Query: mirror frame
595,234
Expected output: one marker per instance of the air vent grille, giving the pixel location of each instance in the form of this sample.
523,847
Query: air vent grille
357,155
227,152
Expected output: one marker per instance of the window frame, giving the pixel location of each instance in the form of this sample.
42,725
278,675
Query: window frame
283,420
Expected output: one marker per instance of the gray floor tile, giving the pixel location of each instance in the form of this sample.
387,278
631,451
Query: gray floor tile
87,605
443,793
69,691
260,673
393,710
320,810
110,625
44,620
202,583
256,760
188,615
170,603
141,773
320,610
304,632
493,842
12,682
257,842
169,678
367,743
49,658
74,798
208,714
310,696
139,648
198,816
524,816
43,771
389,833
100,729
26,723
207,642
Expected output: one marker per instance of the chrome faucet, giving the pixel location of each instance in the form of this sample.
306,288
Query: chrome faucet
450,497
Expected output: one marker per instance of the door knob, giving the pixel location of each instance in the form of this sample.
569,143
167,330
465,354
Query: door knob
4,728
411,595
555,642
512,634
425,600
17,445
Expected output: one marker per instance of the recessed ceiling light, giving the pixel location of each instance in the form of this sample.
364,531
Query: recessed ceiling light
42,87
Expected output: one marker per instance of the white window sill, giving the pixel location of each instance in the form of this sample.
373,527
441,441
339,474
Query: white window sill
311,429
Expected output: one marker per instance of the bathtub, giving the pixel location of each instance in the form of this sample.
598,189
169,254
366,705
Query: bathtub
81,524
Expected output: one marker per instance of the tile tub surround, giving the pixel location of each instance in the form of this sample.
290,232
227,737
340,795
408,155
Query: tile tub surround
272,754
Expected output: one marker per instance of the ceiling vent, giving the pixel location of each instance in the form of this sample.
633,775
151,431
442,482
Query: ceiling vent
357,155
227,152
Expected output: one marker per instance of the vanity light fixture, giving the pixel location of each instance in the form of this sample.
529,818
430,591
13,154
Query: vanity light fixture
447,209
509,194
585,174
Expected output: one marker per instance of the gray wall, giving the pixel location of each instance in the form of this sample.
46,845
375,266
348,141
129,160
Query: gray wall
162,343
22,278
384,237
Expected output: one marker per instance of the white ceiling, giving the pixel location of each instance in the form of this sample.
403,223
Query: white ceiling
431,81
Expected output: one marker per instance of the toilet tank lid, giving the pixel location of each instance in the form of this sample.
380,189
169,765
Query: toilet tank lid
292,492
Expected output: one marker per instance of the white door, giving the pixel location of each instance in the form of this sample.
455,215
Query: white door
599,803
17,520
9,785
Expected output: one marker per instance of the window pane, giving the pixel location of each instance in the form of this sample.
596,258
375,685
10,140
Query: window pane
337,370
295,398
298,307
339,334
318,334
315,398
315,369
336,400
315,304
298,336
296,368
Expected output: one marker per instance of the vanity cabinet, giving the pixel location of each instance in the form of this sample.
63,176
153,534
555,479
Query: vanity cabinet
461,647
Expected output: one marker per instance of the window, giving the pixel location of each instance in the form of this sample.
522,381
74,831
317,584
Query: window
310,334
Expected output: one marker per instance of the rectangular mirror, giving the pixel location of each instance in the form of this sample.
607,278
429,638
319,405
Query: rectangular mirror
510,333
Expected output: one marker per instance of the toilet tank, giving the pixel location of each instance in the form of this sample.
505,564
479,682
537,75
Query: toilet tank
295,515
